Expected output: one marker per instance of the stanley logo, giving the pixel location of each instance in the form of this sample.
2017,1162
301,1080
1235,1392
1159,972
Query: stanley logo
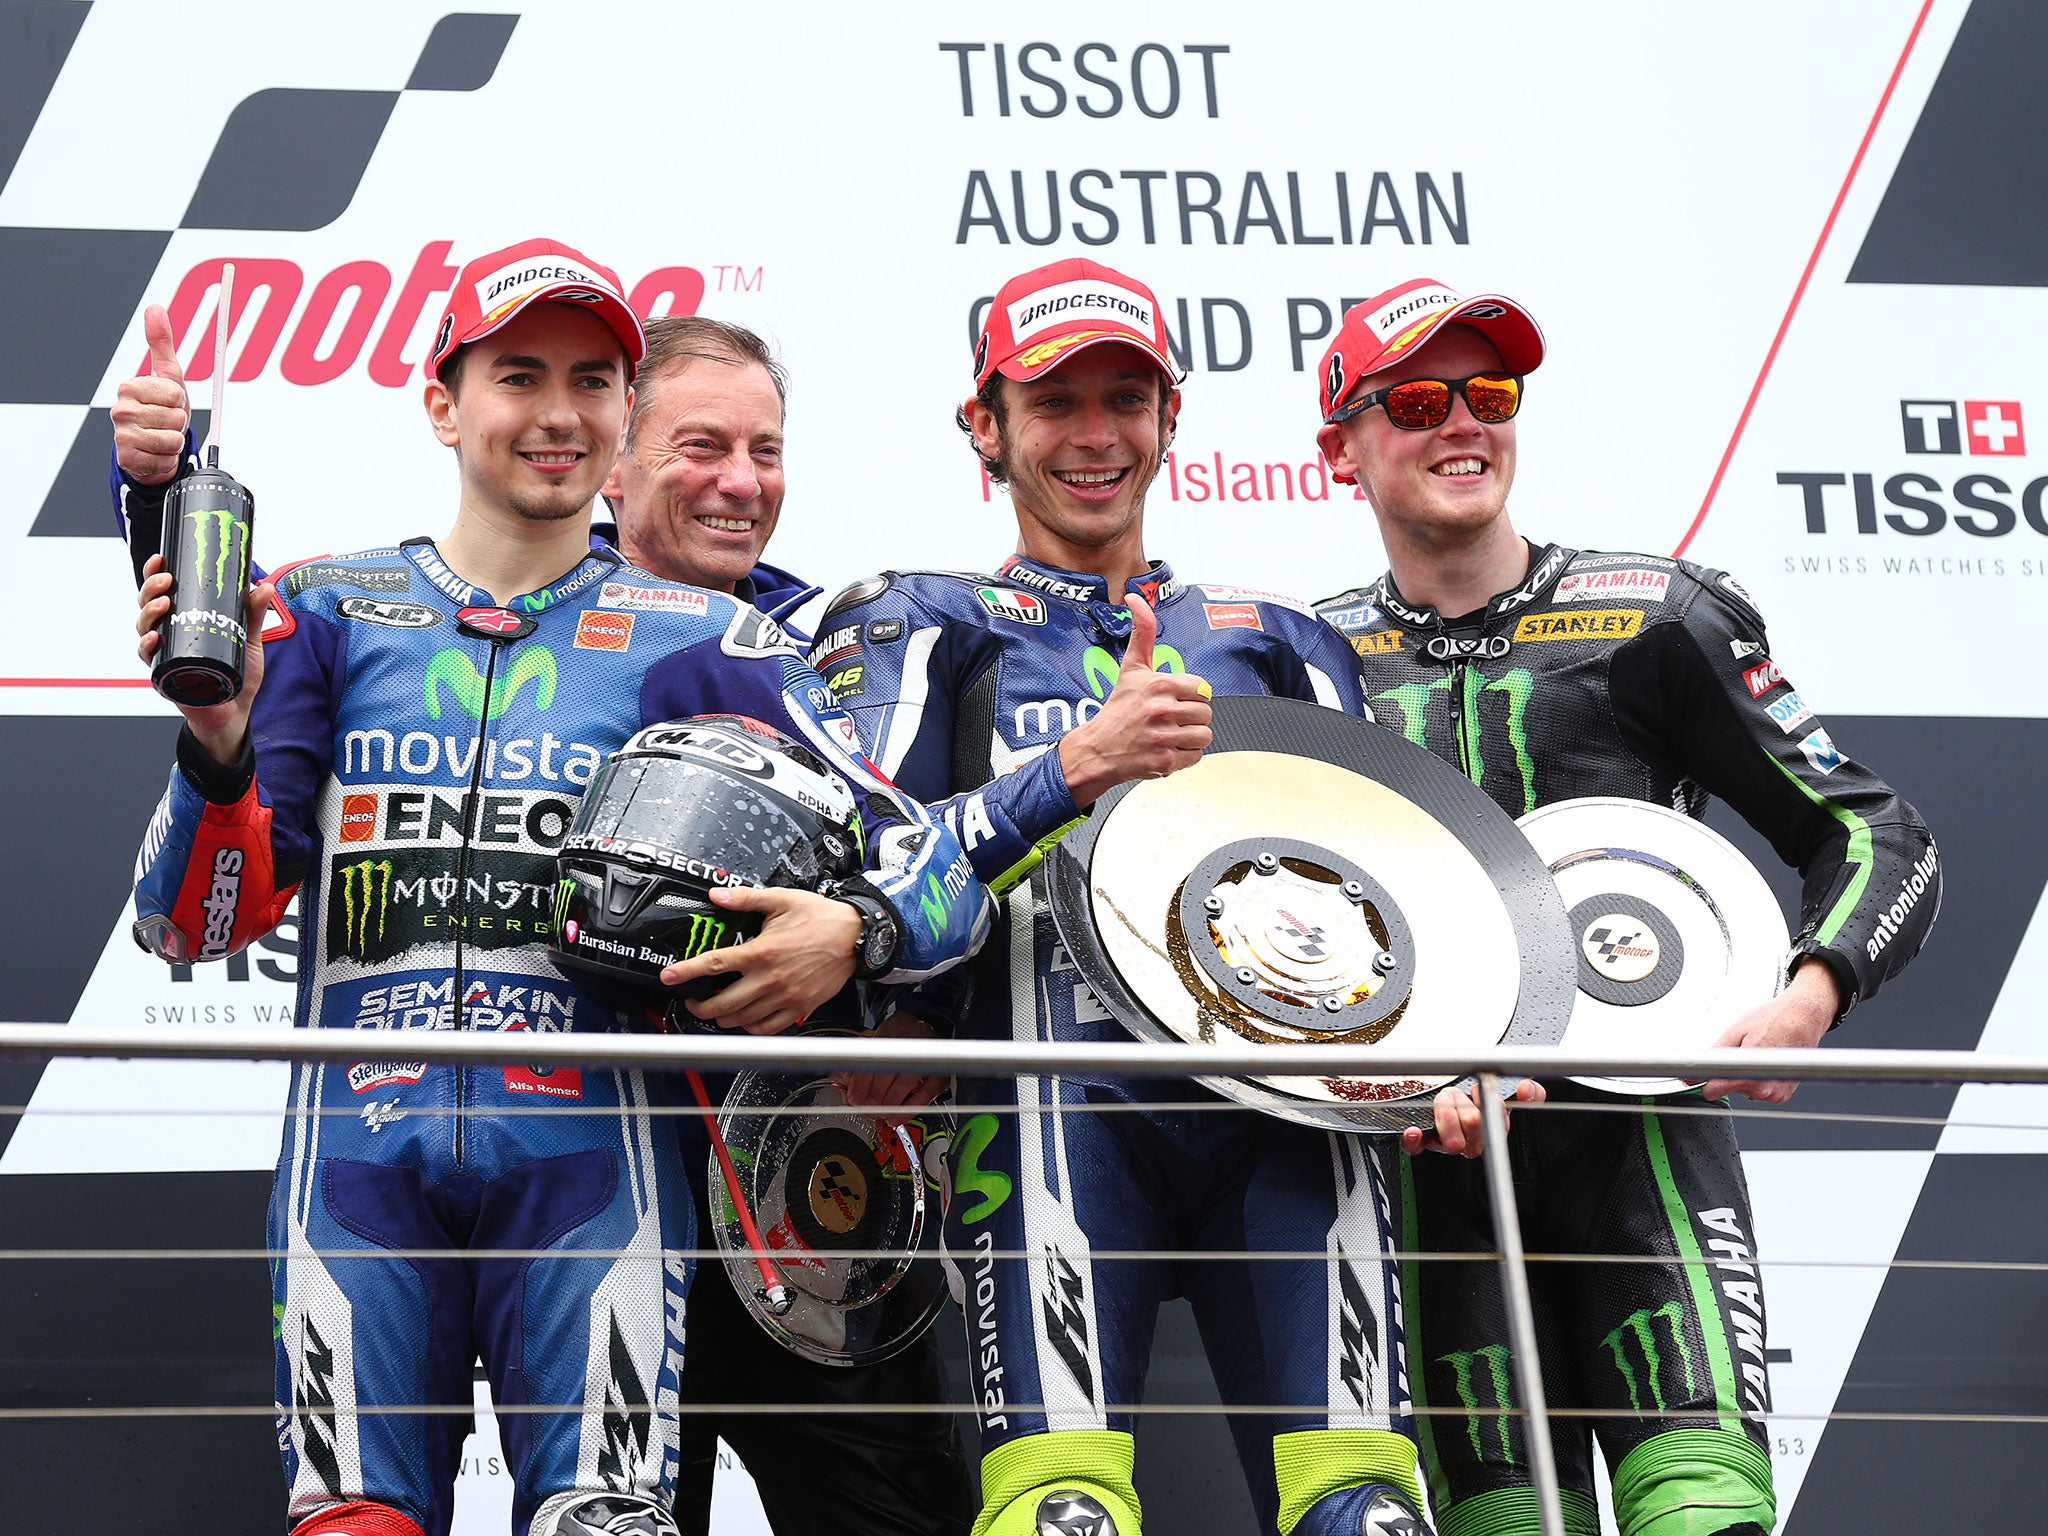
466,684
1593,624
229,538
365,902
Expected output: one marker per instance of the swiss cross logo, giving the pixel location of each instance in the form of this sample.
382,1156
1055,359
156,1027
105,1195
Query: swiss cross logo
1994,427
1983,427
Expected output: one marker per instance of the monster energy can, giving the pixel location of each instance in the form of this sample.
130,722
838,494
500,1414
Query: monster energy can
209,518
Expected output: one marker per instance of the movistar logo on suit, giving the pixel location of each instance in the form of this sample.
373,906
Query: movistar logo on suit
453,669
1055,717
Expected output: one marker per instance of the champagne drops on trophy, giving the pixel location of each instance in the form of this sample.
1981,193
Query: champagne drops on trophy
209,519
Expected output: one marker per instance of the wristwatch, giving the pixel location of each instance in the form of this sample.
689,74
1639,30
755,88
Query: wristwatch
881,931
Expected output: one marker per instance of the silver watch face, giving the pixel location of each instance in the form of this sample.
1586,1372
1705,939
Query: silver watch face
878,940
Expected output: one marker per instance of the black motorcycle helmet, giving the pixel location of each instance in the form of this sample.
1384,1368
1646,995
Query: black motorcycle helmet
682,807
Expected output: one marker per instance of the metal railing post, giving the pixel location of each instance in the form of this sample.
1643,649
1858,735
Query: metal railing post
1514,1279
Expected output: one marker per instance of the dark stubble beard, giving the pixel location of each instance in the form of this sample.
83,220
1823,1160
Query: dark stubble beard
535,510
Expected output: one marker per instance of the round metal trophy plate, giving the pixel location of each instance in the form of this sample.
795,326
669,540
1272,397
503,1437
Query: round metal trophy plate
1674,932
848,1206
1315,878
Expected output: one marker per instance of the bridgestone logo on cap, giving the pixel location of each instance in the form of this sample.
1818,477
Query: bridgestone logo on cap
1081,301
1410,305
531,274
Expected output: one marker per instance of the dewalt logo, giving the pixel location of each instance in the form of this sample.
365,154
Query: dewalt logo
454,670
1377,642
364,890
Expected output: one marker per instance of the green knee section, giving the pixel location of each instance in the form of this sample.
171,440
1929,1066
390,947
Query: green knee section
1311,1463
1513,1512
1015,1476
1693,1482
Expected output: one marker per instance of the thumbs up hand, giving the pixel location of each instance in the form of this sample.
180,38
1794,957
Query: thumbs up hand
151,412
1151,724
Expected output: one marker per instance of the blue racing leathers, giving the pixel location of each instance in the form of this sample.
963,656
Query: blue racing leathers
410,779
962,685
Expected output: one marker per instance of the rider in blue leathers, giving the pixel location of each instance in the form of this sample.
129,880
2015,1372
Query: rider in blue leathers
414,752
994,698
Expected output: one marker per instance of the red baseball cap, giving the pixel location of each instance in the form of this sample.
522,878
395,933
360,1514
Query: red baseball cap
1382,330
1055,311
490,290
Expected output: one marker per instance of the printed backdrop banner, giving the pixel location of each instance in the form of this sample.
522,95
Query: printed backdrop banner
1792,266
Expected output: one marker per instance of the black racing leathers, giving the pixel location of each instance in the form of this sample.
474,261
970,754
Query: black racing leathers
1647,678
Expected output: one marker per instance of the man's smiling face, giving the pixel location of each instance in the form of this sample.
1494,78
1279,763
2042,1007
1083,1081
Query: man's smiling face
1452,479
536,412
700,484
1082,442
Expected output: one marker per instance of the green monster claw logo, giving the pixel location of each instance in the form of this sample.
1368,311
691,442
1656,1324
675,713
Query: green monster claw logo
1638,1326
365,897
706,933
565,890
1411,700
230,534
467,684
1103,669
1495,1358
992,1185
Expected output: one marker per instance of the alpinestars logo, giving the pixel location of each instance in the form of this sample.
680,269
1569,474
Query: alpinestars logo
628,1418
1358,1332
313,1405
220,904
1066,1324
